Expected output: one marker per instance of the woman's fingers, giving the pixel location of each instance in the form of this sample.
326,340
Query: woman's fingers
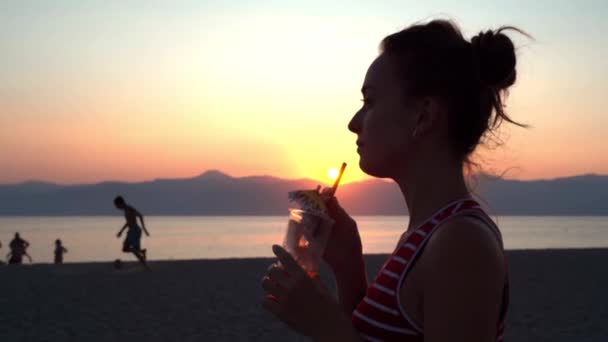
271,305
287,261
279,275
273,288
327,194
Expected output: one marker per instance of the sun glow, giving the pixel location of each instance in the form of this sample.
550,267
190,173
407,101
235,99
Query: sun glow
333,173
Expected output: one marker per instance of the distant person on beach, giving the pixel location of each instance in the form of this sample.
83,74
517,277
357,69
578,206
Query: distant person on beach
132,243
429,99
59,251
18,250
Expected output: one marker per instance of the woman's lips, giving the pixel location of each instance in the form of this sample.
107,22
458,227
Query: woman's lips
359,146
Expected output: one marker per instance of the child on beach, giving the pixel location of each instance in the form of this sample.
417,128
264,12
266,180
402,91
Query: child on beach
59,251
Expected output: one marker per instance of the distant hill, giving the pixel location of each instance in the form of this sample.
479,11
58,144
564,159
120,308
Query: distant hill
579,195
215,193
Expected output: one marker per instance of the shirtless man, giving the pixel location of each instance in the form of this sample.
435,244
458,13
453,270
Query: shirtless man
132,241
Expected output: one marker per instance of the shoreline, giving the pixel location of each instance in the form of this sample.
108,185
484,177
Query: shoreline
128,259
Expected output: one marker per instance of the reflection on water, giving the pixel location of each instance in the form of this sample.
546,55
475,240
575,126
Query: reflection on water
196,237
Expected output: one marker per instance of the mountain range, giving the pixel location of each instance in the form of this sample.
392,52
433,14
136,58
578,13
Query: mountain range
216,193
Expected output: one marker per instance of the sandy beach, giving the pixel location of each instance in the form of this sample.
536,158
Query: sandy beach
557,295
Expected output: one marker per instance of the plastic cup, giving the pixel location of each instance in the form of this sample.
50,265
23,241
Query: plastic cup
306,238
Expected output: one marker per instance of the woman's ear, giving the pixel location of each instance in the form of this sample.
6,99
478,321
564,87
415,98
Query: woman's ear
430,111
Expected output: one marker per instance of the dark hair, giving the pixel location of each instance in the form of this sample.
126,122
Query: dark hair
434,59
119,200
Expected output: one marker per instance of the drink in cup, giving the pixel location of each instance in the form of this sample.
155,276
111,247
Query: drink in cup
306,237
309,227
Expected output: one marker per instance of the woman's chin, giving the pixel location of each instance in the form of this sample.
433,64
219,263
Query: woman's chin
373,169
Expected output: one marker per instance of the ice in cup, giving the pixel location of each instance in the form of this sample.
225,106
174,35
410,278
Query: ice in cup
306,237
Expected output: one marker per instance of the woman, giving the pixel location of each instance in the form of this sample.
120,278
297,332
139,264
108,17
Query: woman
428,101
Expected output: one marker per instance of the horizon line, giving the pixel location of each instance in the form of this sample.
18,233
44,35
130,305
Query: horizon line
223,173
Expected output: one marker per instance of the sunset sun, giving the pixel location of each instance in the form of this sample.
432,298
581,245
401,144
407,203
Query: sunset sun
332,173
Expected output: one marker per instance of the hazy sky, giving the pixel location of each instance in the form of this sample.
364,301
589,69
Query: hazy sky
136,90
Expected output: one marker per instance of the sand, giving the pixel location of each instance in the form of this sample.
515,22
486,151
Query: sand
557,295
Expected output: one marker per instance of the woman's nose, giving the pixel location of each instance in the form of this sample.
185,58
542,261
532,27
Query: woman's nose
355,123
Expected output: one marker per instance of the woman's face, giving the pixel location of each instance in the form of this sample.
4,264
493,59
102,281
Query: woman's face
385,124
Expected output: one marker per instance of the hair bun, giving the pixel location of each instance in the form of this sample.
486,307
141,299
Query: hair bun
496,55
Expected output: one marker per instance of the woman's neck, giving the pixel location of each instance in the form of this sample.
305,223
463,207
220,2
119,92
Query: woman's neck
432,185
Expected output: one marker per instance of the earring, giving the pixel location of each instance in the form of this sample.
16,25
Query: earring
415,132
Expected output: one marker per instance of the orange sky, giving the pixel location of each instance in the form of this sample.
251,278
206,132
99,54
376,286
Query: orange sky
109,91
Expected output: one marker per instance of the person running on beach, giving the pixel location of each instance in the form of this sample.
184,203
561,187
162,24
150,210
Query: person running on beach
59,251
132,241
429,99
18,248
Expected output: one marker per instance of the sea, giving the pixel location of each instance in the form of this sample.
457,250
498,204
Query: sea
93,239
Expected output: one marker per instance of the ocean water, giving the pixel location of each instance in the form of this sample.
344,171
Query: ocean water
204,237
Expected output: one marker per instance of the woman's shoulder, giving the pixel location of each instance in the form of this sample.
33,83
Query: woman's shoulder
465,241
466,232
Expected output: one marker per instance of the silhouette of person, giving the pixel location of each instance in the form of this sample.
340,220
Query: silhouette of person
132,243
18,248
59,251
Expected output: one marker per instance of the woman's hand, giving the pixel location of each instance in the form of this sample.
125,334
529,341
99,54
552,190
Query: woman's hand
344,243
301,302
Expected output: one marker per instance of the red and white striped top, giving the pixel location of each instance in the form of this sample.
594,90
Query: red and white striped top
380,316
